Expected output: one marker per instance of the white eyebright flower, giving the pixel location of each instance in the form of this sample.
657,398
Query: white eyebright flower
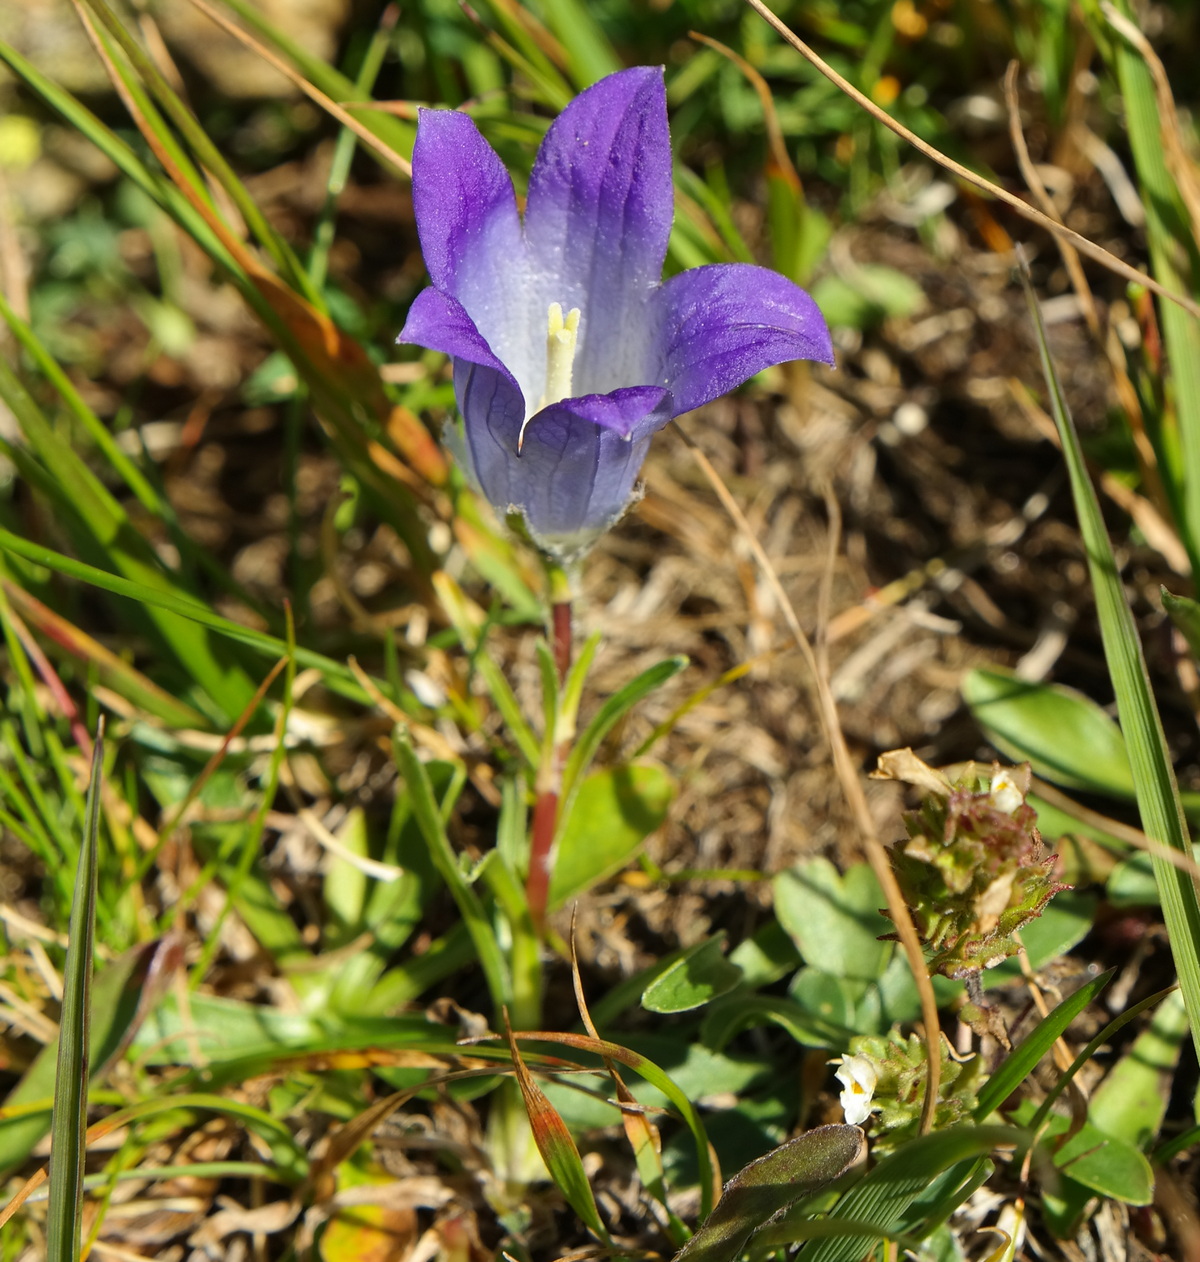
1006,795
857,1076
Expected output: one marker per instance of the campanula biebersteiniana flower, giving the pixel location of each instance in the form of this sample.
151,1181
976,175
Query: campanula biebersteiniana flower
569,349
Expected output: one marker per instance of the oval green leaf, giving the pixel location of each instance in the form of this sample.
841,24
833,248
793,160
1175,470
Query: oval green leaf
613,813
833,919
696,978
1066,736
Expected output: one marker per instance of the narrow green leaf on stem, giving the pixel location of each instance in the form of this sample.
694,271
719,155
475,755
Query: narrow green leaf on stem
429,820
609,714
1020,1062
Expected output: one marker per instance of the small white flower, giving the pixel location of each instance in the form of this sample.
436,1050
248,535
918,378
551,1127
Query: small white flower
857,1076
1006,794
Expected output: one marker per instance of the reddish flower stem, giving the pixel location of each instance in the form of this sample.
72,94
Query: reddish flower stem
545,807
560,616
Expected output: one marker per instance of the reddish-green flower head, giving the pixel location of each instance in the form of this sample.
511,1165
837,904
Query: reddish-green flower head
569,349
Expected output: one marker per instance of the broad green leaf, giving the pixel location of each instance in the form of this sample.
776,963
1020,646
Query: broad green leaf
1112,1167
69,1121
832,1000
766,957
614,812
728,1018
1023,1058
762,1189
882,1198
1132,883
833,919
1132,1100
699,976
1150,760
1066,736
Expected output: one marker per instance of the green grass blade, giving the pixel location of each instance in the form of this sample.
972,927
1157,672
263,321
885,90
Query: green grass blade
123,994
1020,1062
429,819
618,705
100,527
589,53
398,133
81,119
1153,774
69,1124
204,149
883,1196
1166,232
1111,1029
337,675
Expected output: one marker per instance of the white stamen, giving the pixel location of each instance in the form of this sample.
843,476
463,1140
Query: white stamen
562,339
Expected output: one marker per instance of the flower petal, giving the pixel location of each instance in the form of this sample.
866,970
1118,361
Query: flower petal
579,458
462,197
470,231
440,323
597,220
493,411
719,325
626,412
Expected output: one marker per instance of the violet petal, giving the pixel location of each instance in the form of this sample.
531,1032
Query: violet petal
440,323
719,325
470,231
579,458
598,217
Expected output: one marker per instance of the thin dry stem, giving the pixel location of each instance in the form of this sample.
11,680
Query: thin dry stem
35,1181
848,779
1127,395
779,153
1080,242
1182,167
1070,255
365,134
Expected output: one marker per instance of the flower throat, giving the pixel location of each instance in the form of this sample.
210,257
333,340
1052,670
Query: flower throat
562,340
